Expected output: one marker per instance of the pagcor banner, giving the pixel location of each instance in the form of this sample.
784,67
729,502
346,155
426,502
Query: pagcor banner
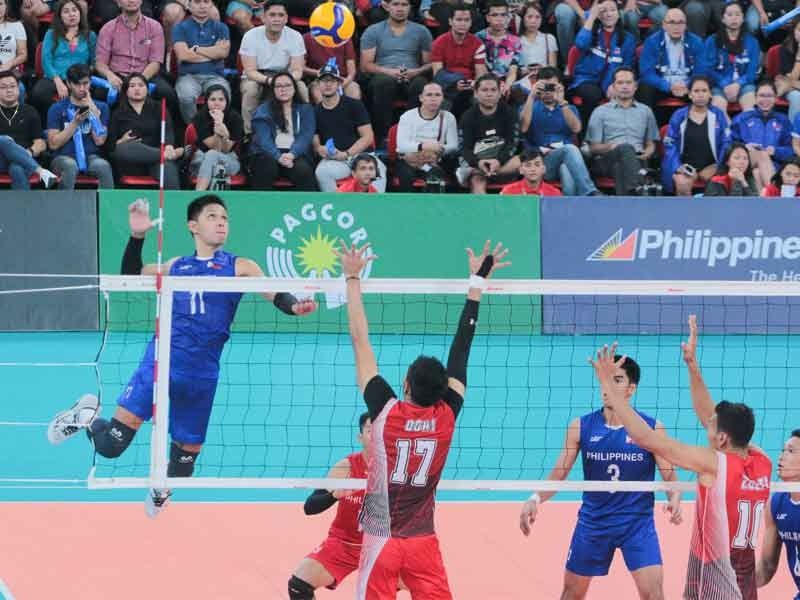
748,239
294,235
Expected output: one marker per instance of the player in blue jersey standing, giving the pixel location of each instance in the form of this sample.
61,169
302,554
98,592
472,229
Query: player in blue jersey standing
200,327
607,521
782,520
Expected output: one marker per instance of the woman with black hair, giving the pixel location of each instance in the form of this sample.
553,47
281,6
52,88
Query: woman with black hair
283,128
605,47
785,183
134,136
219,130
735,175
733,57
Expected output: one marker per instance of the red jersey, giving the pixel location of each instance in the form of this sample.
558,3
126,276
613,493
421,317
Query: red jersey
407,455
522,188
345,524
459,58
351,185
728,517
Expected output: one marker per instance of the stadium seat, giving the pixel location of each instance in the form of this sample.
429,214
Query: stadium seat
772,68
138,181
5,179
572,60
391,153
190,139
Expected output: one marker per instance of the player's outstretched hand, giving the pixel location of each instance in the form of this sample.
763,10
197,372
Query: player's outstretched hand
339,494
139,218
304,307
605,367
673,507
689,347
479,265
527,517
354,259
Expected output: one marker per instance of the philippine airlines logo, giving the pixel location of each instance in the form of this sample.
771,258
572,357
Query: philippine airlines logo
616,248
302,245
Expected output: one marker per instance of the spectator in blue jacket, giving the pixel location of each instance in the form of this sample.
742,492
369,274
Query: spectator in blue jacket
605,47
733,56
696,139
283,129
766,132
669,60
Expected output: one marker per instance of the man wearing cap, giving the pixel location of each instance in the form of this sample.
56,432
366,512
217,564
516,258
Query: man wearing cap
343,131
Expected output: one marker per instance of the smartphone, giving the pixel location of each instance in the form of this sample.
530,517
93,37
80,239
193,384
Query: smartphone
688,169
83,110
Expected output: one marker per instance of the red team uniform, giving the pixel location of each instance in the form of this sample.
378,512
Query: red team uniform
407,455
340,552
722,562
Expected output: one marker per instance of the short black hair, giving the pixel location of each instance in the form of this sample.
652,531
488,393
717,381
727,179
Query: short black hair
427,380
530,154
197,205
486,77
77,72
550,73
697,78
362,420
796,433
270,3
623,70
459,7
495,4
4,74
364,157
737,420
631,368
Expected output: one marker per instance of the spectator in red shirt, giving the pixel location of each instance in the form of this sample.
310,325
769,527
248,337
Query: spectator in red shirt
532,183
317,57
785,183
458,58
365,171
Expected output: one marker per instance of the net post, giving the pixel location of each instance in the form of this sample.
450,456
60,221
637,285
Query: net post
159,440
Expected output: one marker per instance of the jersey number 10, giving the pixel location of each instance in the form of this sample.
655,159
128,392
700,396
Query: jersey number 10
749,523
424,448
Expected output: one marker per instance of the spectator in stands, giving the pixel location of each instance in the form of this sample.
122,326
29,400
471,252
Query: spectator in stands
317,56
569,14
343,131
669,60
605,47
219,131
788,82
502,47
76,131
175,11
622,135
697,136
67,42
283,128
532,183
135,135
550,125
766,132
459,58
201,46
267,50
372,11
133,43
395,61
241,12
21,139
31,10
364,171
108,10
703,16
13,42
538,49
735,176
649,9
733,58
785,183
427,139
490,138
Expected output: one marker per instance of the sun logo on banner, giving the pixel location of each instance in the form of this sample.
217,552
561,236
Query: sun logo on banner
615,248
303,245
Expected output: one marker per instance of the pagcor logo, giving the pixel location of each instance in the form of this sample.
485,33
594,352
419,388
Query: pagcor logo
696,244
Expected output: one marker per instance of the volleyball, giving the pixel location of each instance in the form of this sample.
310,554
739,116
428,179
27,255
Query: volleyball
331,24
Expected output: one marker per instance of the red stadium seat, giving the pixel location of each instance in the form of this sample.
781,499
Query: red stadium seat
573,56
772,68
391,154
5,179
37,62
138,181
190,139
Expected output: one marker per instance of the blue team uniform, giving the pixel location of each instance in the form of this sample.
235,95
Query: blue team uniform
786,515
201,324
607,521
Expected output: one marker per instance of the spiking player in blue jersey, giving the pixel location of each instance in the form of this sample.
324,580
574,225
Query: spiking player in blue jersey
782,520
200,328
607,521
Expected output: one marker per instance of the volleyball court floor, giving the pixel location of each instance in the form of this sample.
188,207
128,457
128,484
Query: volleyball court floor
60,540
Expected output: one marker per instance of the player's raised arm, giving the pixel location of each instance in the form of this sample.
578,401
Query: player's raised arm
480,268
353,261
140,223
702,461
770,549
283,301
701,398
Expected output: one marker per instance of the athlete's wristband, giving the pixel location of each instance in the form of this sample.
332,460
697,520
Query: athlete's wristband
284,301
477,282
535,498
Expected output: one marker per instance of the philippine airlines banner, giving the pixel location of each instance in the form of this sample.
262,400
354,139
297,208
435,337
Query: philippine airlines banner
670,238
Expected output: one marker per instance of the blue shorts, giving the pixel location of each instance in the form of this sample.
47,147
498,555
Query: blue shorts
745,89
593,546
190,402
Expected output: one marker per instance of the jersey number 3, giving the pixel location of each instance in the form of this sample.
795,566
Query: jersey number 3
424,448
750,517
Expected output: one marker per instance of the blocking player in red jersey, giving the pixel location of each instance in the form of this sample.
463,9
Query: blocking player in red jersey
732,481
337,556
410,441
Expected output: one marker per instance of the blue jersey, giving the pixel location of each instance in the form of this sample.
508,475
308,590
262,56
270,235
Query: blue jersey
201,321
610,455
786,515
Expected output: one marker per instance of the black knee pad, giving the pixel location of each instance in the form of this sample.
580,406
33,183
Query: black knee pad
300,590
110,438
181,462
